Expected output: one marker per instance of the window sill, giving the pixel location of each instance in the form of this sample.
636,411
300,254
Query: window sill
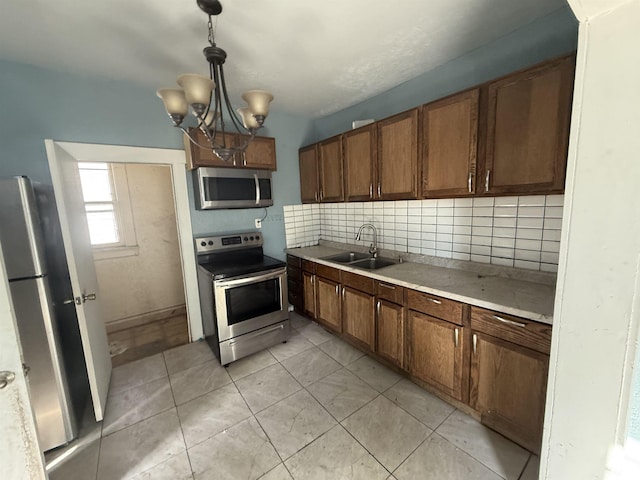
114,252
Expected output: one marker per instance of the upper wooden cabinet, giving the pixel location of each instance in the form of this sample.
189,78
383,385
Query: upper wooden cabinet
360,162
260,153
449,145
309,189
398,156
528,116
330,172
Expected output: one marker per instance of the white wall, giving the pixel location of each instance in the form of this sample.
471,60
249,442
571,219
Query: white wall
152,279
597,310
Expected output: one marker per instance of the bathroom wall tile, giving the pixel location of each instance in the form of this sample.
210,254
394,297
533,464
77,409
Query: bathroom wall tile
529,222
554,200
528,255
527,265
529,233
552,247
482,221
505,222
483,202
482,231
503,262
477,240
480,250
463,202
523,244
504,252
480,258
553,223
506,201
505,242
530,211
460,256
531,200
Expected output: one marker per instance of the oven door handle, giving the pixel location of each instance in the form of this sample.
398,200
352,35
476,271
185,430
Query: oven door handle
250,279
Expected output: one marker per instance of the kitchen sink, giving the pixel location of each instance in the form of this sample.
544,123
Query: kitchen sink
373,263
348,257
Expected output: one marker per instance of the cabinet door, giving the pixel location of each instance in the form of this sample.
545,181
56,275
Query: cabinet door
450,145
329,312
435,353
309,293
398,156
331,178
360,159
358,319
260,153
390,331
204,157
508,388
309,174
528,130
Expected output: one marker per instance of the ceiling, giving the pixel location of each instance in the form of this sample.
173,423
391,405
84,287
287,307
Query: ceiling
315,57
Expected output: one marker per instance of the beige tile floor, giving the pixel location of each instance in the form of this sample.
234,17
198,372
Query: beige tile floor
313,408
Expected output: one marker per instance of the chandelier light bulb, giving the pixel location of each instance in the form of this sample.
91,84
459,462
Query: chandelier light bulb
197,88
174,101
248,120
258,102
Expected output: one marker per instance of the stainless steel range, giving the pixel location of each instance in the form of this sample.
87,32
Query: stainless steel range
243,295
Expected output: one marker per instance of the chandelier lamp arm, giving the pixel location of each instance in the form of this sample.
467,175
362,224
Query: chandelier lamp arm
234,119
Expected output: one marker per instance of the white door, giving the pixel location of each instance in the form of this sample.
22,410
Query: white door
77,245
20,455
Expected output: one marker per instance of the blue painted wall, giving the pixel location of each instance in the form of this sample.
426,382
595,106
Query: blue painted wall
38,104
545,38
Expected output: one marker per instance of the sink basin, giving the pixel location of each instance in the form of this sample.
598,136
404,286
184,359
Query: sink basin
373,263
348,257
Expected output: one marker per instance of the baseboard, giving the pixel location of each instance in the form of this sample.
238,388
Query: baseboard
144,318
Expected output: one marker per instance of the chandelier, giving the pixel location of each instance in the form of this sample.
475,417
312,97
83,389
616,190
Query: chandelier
209,101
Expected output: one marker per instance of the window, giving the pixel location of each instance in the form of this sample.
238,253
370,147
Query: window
108,208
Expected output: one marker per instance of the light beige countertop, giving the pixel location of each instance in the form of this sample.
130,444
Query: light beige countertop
525,294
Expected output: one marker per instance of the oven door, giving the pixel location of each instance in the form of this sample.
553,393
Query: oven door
247,303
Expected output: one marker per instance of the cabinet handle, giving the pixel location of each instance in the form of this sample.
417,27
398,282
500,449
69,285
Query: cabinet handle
244,158
316,196
469,182
378,307
510,322
391,287
371,190
321,195
343,290
456,335
433,300
475,343
379,189
337,289
486,181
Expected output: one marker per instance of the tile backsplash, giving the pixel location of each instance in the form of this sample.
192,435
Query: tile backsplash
518,231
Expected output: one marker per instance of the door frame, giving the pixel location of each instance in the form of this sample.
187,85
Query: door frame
176,160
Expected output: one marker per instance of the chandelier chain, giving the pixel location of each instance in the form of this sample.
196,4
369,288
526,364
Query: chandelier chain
212,31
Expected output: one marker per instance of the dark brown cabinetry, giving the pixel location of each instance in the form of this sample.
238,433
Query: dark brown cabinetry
509,368
260,153
294,283
309,181
449,145
360,163
330,171
358,316
390,323
329,308
528,116
398,156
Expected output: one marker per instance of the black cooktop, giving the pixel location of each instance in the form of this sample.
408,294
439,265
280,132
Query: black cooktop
222,265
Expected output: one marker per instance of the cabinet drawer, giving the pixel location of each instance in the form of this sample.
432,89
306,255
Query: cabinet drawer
328,272
438,307
293,261
359,282
526,333
308,266
393,293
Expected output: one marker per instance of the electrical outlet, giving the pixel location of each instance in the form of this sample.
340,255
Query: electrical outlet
258,223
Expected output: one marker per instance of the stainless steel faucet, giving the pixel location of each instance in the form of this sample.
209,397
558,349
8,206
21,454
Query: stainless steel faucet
373,248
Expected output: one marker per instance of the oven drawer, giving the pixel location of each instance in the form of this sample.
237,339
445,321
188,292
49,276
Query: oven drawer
255,341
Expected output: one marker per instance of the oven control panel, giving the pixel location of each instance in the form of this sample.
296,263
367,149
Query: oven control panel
216,243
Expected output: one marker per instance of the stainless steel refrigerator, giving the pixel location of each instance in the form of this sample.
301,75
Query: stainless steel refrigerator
46,321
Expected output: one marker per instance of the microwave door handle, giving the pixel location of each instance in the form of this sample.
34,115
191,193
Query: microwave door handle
255,179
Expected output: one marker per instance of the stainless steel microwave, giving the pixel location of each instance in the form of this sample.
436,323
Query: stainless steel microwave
217,188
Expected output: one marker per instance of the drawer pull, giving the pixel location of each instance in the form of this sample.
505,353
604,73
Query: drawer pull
337,289
456,335
509,322
433,300
343,291
475,343
391,287
378,307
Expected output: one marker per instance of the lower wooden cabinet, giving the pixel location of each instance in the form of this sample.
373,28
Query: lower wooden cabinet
390,331
309,293
358,316
508,388
436,352
329,311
